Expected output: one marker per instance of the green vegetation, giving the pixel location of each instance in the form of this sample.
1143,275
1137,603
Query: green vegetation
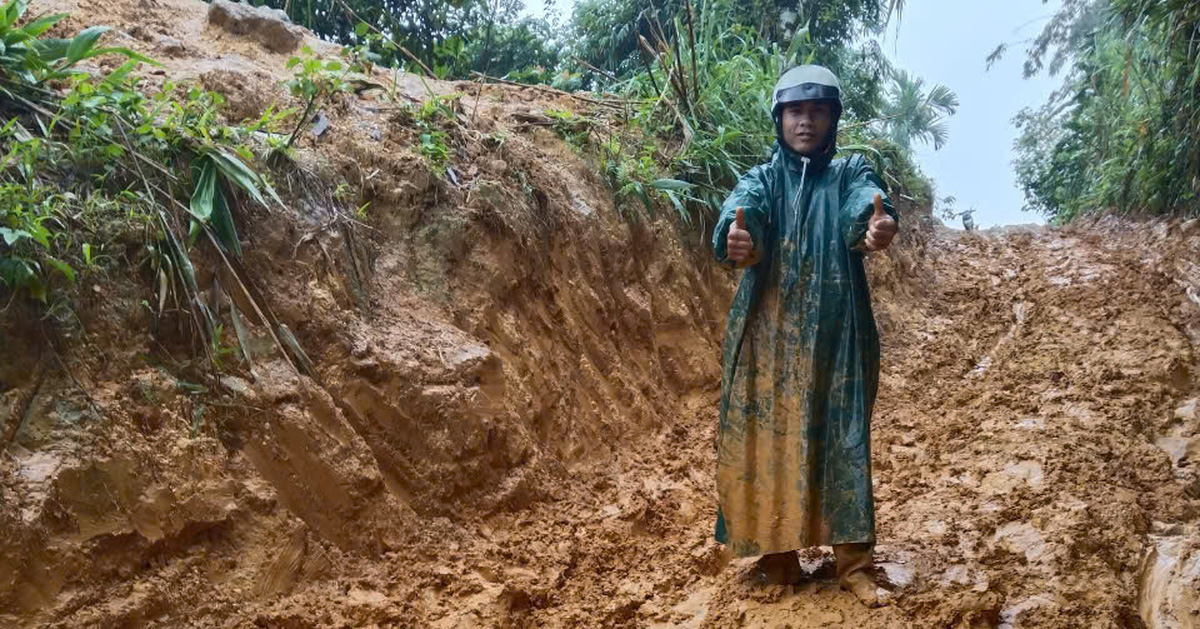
449,38
702,113
435,112
1123,133
913,114
97,177
573,128
315,80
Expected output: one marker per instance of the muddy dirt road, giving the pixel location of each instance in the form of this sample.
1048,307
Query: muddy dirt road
1035,454
1031,444
1035,451
1036,438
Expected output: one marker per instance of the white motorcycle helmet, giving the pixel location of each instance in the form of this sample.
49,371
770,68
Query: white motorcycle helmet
803,83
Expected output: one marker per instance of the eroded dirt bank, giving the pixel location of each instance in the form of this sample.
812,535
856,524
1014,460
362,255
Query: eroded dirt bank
492,336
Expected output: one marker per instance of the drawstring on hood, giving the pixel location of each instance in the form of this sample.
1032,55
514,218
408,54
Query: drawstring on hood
796,204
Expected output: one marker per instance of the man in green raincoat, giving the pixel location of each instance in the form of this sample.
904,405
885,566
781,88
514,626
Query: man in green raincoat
801,360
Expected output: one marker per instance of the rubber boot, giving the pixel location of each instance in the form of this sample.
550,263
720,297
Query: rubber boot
854,567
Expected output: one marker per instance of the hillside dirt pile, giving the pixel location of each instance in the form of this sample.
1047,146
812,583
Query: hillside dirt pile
511,415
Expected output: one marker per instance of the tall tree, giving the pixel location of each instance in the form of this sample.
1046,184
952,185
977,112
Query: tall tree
1123,133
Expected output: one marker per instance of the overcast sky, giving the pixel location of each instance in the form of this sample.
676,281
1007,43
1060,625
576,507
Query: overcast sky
947,41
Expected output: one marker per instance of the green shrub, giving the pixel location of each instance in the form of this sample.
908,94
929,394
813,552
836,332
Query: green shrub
94,174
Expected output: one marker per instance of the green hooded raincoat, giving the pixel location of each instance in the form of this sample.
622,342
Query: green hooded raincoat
801,360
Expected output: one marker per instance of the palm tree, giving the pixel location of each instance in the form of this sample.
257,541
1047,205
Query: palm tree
912,114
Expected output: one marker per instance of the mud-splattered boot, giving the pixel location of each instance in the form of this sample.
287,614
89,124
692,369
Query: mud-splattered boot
854,566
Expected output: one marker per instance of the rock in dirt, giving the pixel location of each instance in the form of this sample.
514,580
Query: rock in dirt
171,47
269,27
320,125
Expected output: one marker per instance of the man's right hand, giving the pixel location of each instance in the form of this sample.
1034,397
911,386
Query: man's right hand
739,246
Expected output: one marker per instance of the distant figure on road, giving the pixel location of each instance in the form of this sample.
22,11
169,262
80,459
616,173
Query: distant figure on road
968,220
801,359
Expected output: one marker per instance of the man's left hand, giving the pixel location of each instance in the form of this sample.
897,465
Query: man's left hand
881,228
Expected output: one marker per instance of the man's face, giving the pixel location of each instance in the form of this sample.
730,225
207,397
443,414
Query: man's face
806,125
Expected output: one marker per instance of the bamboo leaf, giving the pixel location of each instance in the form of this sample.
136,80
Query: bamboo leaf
13,10
205,192
222,224
50,50
302,360
42,24
683,213
243,335
239,174
117,76
182,263
162,290
211,328
126,52
83,43
672,184
62,267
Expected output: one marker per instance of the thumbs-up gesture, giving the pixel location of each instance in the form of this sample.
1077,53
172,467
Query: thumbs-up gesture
738,243
881,228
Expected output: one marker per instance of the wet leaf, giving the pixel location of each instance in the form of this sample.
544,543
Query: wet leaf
162,290
672,184
62,267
